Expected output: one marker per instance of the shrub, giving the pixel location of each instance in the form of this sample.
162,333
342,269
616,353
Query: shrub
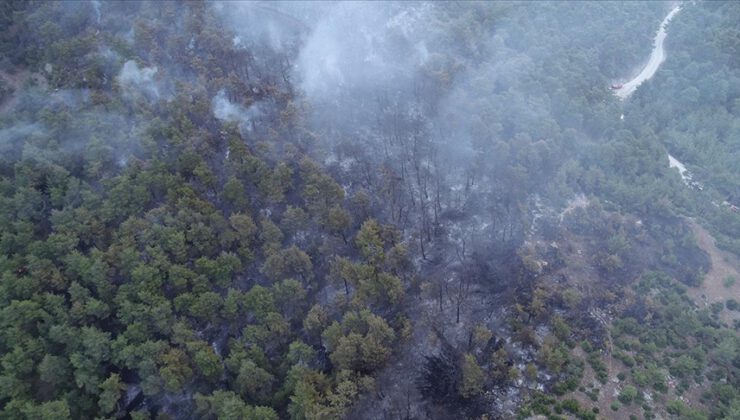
628,394
571,405
585,415
559,388
640,378
675,407
540,404
716,308
732,304
625,358
660,386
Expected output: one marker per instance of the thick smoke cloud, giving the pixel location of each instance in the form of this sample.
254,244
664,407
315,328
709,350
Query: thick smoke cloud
341,45
362,46
139,81
225,110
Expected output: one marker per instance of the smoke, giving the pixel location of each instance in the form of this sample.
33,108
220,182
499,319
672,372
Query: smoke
363,46
368,68
10,137
336,45
96,8
276,25
66,122
139,81
225,110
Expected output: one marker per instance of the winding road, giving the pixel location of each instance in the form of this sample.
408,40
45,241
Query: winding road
723,264
657,56
656,59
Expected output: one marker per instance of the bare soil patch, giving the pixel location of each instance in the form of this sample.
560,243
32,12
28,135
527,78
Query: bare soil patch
723,265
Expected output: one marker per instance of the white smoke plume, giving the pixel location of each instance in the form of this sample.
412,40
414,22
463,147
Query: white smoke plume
225,110
135,80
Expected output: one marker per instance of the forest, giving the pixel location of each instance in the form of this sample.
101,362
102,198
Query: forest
368,210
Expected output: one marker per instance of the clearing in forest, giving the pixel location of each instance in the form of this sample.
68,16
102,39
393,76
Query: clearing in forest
724,265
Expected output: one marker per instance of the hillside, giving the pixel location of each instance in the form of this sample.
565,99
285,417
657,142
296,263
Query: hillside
366,210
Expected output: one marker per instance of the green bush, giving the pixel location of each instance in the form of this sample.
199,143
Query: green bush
660,386
541,404
571,405
675,407
732,304
625,358
628,394
585,415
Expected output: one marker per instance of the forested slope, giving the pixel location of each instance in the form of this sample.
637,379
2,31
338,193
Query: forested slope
152,249
692,107
236,210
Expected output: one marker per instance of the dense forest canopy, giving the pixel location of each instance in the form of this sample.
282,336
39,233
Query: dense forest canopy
323,210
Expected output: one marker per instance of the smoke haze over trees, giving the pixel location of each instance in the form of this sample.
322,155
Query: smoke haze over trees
320,210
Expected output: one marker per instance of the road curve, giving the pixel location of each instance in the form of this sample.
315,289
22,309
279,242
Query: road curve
656,58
